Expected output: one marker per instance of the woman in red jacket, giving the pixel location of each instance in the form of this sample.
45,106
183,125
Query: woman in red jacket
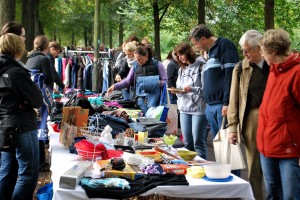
278,134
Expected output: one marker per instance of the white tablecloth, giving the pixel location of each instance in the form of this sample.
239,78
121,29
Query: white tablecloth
62,160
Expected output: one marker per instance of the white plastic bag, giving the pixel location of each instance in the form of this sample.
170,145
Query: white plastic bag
227,153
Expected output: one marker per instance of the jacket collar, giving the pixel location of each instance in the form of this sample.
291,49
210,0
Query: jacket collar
292,60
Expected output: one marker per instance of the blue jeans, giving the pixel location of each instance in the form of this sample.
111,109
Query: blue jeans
193,128
127,93
282,177
19,170
214,117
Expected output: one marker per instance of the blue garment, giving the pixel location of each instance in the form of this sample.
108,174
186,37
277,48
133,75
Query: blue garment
214,117
281,177
147,86
127,93
60,66
42,124
25,157
222,58
173,98
87,74
194,133
74,73
105,76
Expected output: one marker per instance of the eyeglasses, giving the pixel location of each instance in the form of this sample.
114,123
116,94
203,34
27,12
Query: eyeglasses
245,51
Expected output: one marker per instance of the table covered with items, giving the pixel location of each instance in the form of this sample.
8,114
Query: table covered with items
63,164
105,149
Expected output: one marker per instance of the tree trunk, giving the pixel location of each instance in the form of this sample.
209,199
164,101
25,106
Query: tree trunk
95,77
110,37
28,21
121,32
156,30
102,32
73,39
201,12
269,14
38,26
7,11
85,37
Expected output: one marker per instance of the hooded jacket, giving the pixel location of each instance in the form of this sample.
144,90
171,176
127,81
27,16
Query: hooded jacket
191,76
18,96
38,60
278,120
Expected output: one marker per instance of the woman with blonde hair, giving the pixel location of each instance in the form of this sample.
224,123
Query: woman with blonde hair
18,135
278,138
129,49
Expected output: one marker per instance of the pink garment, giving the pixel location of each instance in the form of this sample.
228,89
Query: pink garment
113,104
64,64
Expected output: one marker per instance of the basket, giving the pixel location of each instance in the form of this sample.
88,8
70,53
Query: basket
89,150
89,135
89,154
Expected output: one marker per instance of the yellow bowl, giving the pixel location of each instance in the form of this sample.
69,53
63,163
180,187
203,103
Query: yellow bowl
187,155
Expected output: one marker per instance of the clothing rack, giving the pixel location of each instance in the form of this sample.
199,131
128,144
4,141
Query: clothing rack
101,53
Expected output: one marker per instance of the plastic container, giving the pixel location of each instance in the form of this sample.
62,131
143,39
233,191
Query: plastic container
217,171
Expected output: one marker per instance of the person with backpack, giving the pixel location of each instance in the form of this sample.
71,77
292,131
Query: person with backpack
42,75
18,133
147,76
248,84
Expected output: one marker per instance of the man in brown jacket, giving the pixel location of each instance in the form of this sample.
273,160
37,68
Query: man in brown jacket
249,79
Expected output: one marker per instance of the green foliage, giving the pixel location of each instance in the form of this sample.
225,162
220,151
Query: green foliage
226,18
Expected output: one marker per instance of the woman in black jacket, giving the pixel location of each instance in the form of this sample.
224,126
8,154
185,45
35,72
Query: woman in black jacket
18,135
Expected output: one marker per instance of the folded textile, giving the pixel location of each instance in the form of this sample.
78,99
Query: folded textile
105,182
137,187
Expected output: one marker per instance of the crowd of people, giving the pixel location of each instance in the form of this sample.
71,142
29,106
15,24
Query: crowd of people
259,96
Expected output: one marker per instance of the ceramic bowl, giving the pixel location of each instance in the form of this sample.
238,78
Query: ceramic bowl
217,171
187,155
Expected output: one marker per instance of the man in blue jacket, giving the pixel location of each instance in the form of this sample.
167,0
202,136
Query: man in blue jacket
222,58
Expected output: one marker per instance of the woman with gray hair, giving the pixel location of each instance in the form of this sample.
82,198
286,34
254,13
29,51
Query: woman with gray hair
278,138
249,80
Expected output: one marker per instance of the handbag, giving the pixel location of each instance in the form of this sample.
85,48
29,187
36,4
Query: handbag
69,130
160,112
227,153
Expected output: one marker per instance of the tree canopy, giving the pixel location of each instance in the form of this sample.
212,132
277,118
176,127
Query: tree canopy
71,21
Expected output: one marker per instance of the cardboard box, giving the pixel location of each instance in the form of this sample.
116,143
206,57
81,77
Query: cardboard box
127,172
174,168
71,178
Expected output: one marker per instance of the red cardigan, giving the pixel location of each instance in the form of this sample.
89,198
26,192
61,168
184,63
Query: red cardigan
278,133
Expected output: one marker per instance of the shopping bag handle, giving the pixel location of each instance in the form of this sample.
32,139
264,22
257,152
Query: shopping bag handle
163,99
224,119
